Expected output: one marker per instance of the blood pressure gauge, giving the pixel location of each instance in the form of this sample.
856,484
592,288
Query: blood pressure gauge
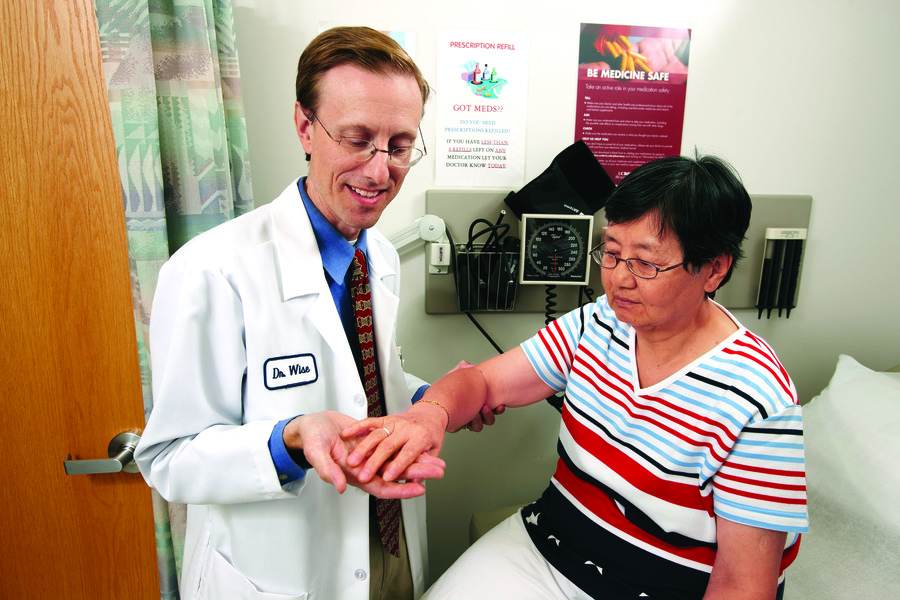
555,249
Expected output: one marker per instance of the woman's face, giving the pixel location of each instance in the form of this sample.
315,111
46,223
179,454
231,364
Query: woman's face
669,303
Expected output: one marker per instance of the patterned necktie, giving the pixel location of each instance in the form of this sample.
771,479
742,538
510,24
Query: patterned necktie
388,510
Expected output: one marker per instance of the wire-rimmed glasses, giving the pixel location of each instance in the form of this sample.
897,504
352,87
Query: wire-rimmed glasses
362,150
639,268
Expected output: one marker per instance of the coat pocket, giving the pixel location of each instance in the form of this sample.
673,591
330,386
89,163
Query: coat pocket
221,581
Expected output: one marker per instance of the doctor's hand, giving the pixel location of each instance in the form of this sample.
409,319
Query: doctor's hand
318,435
485,417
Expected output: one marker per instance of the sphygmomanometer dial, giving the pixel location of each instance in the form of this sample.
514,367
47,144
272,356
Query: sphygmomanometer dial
555,249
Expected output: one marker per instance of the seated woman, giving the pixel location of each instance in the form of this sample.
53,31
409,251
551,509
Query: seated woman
681,470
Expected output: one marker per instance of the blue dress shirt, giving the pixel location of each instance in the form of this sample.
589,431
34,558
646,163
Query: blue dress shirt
337,256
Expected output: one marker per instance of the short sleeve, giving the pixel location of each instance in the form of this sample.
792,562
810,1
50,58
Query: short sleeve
762,482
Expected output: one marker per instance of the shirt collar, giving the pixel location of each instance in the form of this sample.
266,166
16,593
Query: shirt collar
337,253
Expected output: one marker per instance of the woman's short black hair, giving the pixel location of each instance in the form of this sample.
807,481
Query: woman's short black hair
700,200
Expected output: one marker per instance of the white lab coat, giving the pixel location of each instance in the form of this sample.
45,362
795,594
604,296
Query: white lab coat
234,308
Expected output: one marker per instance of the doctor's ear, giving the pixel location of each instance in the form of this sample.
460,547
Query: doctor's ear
303,124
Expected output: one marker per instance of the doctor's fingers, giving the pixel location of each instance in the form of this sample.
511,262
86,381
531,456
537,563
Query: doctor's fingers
329,471
425,467
393,489
418,472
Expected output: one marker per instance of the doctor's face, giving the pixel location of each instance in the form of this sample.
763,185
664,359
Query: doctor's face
384,109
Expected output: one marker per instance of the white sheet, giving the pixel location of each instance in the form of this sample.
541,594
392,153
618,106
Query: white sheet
852,441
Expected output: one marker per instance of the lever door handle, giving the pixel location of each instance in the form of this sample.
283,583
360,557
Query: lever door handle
121,458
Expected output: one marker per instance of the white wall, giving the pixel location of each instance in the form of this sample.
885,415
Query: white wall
799,95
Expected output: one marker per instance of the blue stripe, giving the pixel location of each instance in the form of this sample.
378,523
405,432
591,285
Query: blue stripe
762,524
782,514
736,369
616,356
768,444
730,400
614,419
542,365
767,458
788,418
739,407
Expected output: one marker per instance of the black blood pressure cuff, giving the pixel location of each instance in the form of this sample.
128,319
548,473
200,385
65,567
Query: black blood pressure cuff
574,183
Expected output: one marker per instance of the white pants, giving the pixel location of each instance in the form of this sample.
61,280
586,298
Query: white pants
504,564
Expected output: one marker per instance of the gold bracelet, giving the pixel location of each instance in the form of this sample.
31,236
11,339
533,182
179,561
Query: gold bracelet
441,406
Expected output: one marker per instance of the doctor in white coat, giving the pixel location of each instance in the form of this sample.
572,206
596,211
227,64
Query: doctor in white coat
253,372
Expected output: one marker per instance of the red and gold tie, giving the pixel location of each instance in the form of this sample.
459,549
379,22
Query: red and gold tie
388,510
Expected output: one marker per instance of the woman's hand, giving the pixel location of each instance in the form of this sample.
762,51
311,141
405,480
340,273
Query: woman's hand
391,445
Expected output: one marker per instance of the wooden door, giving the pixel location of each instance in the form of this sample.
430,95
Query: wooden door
69,378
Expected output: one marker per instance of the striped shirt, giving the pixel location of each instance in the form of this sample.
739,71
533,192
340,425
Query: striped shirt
643,473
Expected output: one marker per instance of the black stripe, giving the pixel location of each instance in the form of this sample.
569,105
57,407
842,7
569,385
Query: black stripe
637,517
609,329
579,549
765,431
731,388
581,322
628,445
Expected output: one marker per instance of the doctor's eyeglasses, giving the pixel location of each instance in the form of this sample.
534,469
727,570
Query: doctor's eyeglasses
639,268
362,150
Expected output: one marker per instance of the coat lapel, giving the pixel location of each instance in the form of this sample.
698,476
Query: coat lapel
301,272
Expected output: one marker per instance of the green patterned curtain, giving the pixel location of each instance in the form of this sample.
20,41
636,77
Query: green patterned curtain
174,90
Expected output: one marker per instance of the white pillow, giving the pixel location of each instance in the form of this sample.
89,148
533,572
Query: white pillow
852,441
852,446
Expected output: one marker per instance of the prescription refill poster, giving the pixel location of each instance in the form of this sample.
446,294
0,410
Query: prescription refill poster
482,87
632,83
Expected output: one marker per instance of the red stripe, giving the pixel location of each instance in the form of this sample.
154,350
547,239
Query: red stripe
717,451
765,366
765,470
790,553
768,483
778,372
610,374
637,475
770,353
565,348
757,496
712,424
605,509
623,388
547,344
559,340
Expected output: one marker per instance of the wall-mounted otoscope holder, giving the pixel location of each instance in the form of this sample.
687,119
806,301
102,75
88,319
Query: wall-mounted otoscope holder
770,211
782,258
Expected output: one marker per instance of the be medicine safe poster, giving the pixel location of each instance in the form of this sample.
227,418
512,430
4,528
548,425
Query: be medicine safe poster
482,86
632,83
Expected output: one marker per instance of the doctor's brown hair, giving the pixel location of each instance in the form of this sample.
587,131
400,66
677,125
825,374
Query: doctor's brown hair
363,47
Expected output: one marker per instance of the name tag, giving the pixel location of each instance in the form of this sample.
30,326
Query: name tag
290,371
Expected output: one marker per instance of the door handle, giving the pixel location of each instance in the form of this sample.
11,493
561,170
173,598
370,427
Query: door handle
121,458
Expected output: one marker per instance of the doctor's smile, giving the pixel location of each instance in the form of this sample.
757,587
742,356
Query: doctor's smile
365,194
